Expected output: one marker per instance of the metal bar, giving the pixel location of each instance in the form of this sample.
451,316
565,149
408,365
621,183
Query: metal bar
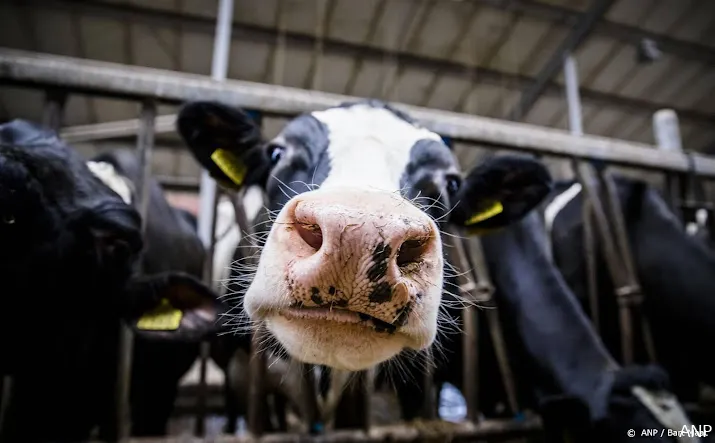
589,249
116,129
353,408
476,261
219,67
184,184
666,132
256,376
205,346
266,35
620,231
145,143
573,99
470,338
578,35
208,195
54,106
490,430
309,390
588,179
101,78
431,397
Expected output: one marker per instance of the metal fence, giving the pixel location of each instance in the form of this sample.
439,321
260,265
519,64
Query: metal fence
60,76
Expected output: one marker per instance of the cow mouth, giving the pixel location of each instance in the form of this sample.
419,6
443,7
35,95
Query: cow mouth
338,315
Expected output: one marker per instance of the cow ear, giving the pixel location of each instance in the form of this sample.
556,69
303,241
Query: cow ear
499,192
173,306
225,140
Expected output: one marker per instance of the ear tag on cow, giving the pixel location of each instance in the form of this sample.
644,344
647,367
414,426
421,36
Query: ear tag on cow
231,165
162,318
491,211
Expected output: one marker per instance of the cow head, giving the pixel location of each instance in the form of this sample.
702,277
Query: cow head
70,248
351,271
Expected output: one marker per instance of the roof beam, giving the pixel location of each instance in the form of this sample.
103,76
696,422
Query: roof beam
251,32
573,40
625,33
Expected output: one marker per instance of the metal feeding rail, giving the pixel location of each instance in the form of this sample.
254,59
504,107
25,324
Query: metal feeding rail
111,79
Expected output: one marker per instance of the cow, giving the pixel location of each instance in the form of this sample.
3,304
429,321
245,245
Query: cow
350,273
75,261
352,268
676,272
561,368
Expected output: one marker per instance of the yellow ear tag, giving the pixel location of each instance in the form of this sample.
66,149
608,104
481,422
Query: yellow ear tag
162,318
232,166
491,211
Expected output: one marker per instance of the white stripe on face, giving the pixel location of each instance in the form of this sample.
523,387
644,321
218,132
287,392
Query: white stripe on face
558,204
368,146
110,177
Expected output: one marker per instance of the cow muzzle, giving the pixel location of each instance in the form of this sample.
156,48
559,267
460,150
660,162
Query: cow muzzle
349,277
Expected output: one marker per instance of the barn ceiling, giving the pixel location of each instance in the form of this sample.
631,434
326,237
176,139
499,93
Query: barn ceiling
497,58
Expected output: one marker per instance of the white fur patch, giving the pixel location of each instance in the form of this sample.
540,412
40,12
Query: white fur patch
558,204
229,234
228,237
114,180
368,146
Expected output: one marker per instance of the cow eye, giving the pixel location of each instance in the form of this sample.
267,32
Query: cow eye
275,152
8,219
453,184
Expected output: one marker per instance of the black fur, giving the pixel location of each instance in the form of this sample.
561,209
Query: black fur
676,273
69,269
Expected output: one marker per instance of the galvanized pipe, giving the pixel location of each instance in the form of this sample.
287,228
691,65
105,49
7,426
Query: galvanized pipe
666,130
573,98
208,198
54,106
145,143
110,79
437,431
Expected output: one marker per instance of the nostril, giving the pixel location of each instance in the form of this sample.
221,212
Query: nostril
411,251
311,234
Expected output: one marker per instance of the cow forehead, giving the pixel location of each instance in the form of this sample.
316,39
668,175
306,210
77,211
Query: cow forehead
369,146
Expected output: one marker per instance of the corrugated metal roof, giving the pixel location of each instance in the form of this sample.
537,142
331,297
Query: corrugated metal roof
475,56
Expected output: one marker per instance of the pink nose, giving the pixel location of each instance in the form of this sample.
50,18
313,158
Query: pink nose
369,252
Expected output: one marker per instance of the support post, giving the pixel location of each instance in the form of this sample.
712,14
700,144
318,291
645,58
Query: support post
205,346
666,132
573,102
55,100
573,98
145,144
256,374
208,198
470,337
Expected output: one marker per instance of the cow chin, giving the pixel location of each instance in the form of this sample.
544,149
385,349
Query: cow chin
342,346
336,337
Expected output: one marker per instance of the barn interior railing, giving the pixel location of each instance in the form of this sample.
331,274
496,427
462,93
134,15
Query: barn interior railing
59,76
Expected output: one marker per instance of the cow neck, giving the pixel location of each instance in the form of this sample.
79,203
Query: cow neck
560,348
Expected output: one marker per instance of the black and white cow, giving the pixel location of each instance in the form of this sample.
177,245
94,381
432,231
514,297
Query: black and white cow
676,272
351,272
72,249
561,368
